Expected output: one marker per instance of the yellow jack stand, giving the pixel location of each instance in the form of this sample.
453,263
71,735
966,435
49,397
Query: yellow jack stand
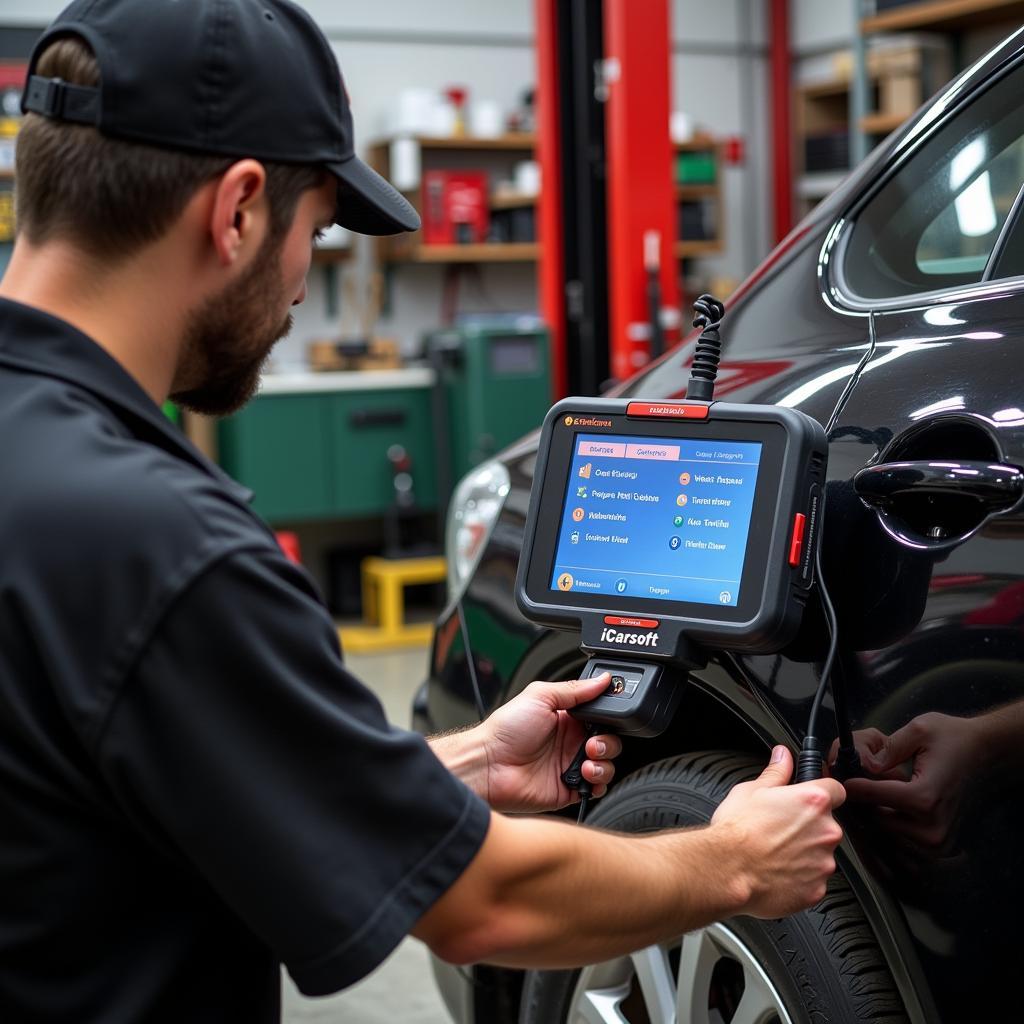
384,583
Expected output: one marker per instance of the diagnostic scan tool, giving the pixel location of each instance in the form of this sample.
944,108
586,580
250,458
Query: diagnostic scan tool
660,530
658,527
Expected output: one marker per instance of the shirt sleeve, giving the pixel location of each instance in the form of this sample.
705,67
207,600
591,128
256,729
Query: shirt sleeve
240,743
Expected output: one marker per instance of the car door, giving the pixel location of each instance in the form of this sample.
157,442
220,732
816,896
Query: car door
924,541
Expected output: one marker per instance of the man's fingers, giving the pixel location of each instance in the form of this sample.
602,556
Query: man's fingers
598,771
779,769
835,789
603,746
867,741
901,796
563,696
901,746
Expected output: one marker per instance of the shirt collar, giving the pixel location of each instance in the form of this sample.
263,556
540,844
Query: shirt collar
36,342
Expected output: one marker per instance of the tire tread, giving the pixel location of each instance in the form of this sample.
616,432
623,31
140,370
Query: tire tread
857,973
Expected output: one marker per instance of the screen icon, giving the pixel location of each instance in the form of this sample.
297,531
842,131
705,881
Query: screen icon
677,520
620,586
578,514
581,492
585,470
575,536
674,543
565,581
681,500
725,597
684,478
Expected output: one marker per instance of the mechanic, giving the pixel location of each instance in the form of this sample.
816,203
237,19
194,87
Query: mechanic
193,789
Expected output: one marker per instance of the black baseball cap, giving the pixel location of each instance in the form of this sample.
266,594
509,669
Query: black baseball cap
243,78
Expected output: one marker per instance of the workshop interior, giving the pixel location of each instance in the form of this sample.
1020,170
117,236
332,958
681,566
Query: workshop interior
703,369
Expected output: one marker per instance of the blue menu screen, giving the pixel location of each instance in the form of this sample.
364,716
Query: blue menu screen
659,518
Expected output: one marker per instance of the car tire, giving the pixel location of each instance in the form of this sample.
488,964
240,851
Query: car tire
822,965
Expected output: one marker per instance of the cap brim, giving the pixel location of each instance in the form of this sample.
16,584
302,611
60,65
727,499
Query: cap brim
368,204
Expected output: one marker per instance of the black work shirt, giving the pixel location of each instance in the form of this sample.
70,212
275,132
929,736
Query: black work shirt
192,787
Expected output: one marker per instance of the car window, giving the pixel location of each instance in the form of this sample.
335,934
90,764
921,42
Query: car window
935,223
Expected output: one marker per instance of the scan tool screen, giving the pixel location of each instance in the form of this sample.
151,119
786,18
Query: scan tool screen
656,518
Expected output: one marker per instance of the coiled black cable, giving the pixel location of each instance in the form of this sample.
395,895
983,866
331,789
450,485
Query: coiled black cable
708,313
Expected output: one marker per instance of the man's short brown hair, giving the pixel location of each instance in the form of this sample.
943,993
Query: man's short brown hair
110,197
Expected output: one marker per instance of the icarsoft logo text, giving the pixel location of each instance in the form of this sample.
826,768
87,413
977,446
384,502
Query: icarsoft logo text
614,636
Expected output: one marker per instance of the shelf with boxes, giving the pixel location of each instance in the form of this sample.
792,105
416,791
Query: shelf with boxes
905,51
944,15
700,229
476,197
901,73
12,78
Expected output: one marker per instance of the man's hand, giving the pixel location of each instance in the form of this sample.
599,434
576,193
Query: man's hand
921,774
782,837
530,741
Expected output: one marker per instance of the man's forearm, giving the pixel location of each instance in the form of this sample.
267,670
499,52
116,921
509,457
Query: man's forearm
463,753
999,734
545,894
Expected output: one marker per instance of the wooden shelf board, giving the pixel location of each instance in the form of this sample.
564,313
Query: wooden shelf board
511,202
944,14
487,252
704,247
521,141
835,88
696,191
698,144
339,255
881,124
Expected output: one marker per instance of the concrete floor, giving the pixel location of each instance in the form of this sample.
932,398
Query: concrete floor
402,988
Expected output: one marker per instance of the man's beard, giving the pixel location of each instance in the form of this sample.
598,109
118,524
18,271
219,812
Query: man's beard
228,339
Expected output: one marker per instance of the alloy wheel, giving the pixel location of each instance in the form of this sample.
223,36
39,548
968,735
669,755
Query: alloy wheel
709,976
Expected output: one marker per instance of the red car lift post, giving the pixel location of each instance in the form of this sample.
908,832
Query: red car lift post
641,192
595,290
551,264
782,136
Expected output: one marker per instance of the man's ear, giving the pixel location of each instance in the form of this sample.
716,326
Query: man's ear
238,214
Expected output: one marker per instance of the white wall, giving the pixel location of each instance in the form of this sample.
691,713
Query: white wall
480,45
719,72
821,24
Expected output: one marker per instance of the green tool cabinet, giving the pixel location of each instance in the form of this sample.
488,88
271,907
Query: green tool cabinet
496,385
321,452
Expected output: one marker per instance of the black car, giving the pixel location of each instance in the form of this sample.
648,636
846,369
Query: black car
908,284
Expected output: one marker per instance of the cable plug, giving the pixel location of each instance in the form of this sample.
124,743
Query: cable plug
810,763
847,764
573,775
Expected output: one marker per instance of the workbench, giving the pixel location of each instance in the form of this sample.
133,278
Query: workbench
313,446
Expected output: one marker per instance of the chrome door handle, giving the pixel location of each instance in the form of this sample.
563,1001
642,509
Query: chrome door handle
994,485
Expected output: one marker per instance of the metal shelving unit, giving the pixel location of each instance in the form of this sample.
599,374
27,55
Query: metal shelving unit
949,17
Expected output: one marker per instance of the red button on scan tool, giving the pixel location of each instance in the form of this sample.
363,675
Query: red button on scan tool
797,544
622,620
